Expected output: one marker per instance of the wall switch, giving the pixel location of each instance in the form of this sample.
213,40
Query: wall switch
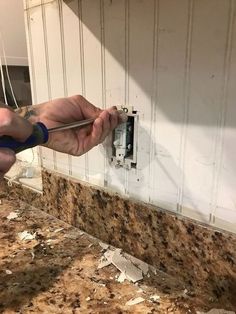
124,141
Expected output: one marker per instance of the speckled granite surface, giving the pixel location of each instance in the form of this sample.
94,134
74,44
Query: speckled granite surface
198,255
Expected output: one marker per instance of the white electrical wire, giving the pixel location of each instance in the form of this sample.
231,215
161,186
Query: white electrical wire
23,169
3,82
7,72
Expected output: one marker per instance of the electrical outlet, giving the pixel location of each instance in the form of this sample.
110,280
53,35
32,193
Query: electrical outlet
124,143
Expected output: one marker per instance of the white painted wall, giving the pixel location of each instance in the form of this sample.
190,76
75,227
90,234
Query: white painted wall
175,62
12,29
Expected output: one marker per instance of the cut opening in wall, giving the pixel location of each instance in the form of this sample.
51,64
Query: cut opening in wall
124,141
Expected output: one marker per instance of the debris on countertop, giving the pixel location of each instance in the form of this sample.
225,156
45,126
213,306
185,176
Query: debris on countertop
48,266
135,301
128,270
13,215
26,236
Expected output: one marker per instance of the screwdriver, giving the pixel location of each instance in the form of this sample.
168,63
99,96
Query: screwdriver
39,135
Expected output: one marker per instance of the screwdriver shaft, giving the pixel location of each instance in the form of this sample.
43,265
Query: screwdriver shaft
71,125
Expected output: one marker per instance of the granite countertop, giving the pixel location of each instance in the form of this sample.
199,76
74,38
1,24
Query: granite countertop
56,272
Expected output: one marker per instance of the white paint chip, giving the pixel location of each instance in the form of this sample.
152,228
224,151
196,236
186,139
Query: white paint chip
135,301
141,265
32,255
109,255
26,236
88,299
121,277
104,263
8,272
58,230
104,246
125,266
72,236
13,215
154,298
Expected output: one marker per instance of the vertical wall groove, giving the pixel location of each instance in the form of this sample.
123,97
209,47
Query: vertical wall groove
46,50
31,71
127,36
63,57
80,14
62,48
103,63
154,98
127,8
186,97
31,54
219,143
81,47
103,66
47,68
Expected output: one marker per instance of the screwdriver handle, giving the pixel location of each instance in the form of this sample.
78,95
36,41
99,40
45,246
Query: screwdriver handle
38,137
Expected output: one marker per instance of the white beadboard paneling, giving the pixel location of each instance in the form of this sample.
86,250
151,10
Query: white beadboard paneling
29,50
114,24
56,68
29,155
74,77
140,54
54,48
91,18
37,52
226,199
175,63
206,70
38,67
169,102
36,3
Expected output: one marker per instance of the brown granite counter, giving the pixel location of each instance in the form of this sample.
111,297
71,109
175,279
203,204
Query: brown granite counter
56,272
199,256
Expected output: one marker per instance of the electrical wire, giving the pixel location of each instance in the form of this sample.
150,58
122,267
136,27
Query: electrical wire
14,98
3,82
7,72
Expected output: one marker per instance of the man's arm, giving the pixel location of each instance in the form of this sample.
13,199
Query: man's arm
57,112
71,109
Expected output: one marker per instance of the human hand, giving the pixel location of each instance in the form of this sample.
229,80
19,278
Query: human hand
13,125
66,110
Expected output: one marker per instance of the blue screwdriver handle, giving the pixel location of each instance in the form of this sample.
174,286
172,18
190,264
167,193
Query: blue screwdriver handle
38,137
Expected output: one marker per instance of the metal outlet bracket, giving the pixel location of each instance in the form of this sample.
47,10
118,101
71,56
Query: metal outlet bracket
124,141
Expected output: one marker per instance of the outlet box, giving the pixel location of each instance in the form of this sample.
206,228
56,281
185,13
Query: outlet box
124,141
